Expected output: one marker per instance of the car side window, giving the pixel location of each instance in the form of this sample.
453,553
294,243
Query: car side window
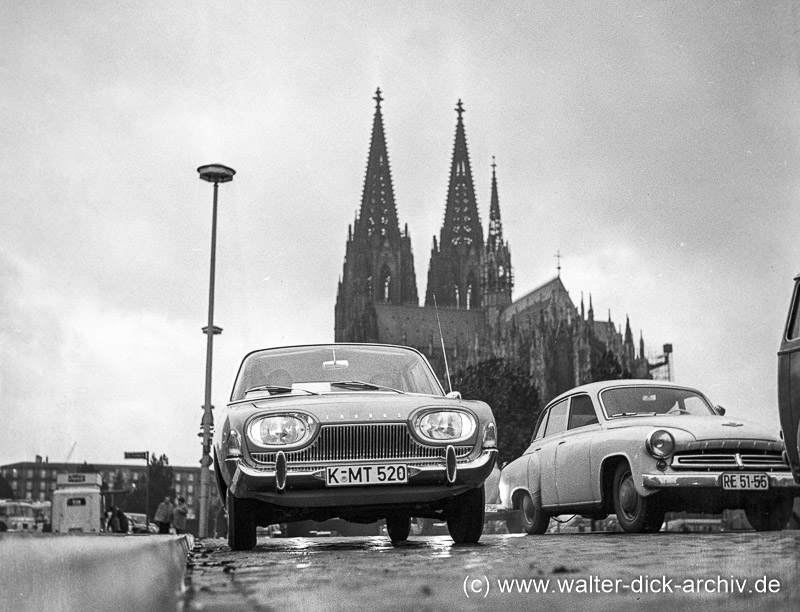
557,420
794,316
581,412
539,433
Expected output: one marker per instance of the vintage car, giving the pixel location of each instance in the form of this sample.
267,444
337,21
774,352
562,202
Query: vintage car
641,448
789,382
360,432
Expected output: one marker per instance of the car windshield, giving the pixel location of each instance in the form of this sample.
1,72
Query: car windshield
334,369
639,401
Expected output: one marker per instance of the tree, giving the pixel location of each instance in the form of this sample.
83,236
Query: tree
608,367
6,492
162,480
513,398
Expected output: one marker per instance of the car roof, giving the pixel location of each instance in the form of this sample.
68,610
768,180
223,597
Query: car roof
596,387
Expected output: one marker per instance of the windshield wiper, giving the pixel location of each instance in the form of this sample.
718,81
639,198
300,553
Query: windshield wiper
360,384
277,389
627,414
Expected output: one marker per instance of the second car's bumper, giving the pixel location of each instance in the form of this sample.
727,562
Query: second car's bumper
782,480
304,489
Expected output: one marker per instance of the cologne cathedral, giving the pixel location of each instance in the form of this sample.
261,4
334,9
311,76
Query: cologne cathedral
469,289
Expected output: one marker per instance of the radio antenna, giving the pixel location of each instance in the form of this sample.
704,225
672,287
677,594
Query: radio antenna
441,337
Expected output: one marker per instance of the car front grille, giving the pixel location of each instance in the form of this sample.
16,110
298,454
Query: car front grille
363,442
714,460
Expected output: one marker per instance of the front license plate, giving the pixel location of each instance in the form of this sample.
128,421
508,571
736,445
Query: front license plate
350,475
745,482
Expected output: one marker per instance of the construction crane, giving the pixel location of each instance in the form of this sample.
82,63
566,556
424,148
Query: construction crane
72,450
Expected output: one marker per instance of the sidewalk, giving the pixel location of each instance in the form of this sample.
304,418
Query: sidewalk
91,573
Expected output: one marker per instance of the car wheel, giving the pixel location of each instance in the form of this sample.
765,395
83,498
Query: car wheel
635,514
531,519
398,528
241,523
465,514
769,513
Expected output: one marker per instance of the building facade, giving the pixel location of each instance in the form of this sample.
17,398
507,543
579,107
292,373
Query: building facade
36,480
469,287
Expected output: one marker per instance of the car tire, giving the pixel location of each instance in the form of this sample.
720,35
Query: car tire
398,528
465,515
241,523
769,513
531,518
635,514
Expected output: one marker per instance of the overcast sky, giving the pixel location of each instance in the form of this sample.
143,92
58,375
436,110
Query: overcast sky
653,144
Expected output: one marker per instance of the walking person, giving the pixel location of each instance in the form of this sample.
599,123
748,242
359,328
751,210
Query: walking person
163,515
179,516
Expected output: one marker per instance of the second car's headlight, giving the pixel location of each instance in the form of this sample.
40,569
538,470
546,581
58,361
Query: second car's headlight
279,430
446,425
660,444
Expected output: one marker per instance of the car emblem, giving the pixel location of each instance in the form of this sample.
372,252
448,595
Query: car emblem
733,424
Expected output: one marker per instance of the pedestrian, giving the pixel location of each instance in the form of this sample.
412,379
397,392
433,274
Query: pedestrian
124,524
179,516
113,520
164,515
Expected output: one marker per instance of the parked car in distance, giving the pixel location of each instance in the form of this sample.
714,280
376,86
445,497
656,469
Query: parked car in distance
641,448
360,432
17,515
136,523
789,382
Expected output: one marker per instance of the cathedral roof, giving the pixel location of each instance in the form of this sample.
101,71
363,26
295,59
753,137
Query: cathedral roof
539,298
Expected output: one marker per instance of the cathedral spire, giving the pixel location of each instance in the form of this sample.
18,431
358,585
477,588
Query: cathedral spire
378,215
462,223
456,264
495,239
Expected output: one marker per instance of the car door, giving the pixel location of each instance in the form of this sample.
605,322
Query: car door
573,453
789,380
545,448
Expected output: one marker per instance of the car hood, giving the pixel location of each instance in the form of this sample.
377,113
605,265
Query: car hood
356,407
702,427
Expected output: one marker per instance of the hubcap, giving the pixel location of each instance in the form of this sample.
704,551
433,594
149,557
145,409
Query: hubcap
628,497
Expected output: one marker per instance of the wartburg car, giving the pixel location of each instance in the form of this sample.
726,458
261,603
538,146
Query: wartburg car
641,448
360,432
789,382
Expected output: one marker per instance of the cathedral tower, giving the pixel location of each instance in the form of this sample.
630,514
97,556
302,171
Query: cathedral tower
379,264
456,264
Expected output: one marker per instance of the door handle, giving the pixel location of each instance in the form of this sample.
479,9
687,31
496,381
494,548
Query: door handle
562,442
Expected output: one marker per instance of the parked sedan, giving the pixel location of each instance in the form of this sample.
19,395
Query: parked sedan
361,432
789,382
641,448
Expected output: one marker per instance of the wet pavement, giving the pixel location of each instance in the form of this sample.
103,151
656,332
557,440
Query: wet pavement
601,571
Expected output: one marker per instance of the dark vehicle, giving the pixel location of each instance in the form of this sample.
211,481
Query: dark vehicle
360,432
789,382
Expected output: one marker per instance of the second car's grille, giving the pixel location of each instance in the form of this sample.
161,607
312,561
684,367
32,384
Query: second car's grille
730,460
367,442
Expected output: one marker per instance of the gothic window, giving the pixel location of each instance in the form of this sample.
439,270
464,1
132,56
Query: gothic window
469,296
369,285
457,295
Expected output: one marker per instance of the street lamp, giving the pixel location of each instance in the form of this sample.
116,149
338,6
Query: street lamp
213,173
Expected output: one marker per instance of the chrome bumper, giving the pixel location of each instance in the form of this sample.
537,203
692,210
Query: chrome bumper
710,479
306,490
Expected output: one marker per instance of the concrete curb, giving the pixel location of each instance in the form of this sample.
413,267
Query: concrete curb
88,573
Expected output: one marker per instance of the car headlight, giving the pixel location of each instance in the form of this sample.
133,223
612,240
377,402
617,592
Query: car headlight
660,444
446,425
280,430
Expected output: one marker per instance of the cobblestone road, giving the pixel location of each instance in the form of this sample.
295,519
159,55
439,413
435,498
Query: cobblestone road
604,571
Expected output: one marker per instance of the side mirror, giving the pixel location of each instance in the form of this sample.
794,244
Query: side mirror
720,411
454,395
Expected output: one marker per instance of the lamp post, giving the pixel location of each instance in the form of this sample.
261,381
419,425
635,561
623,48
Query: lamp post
213,173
